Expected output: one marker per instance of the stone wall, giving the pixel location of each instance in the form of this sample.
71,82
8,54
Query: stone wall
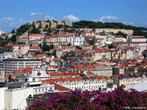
126,31
51,24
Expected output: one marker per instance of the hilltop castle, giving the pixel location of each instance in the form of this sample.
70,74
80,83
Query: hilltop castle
50,24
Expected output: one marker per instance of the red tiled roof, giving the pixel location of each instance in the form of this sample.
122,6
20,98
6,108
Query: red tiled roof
79,78
89,73
2,37
39,55
11,45
83,66
57,74
25,70
35,47
98,77
71,74
60,88
97,51
117,75
7,75
24,38
36,35
119,66
57,59
54,80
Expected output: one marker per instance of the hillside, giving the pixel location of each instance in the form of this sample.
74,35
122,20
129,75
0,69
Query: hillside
39,26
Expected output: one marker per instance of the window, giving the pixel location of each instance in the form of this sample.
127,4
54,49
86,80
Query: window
38,74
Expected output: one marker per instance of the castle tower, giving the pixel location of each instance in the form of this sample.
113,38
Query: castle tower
67,22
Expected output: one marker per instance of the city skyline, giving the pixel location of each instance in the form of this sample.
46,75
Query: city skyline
15,13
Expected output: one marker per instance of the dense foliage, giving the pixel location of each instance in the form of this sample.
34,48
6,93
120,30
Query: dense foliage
66,55
118,99
138,32
34,30
2,50
23,28
47,47
3,42
92,24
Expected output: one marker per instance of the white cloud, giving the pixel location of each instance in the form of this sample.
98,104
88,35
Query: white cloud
40,16
71,18
7,24
8,19
142,23
108,19
128,23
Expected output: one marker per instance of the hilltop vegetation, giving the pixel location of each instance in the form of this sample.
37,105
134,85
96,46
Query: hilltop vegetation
92,24
82,24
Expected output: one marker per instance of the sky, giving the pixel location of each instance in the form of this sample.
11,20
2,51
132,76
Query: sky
14,13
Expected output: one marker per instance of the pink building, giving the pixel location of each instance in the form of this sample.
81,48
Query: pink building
24,49
36,36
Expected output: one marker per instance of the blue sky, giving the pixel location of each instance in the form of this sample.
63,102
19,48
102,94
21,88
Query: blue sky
14,13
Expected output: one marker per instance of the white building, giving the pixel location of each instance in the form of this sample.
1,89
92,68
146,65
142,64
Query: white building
77,40
130,82
36,36
3,56
15,98
11,64
38,74
94,83
120,39
1,32
98,55
129,54
137,39
2,97
86,85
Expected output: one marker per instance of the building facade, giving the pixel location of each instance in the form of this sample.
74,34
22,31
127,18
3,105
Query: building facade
11,64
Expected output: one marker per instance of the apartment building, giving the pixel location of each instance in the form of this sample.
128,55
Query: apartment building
77,40
11,64
137,39
97,69
36,36
132,81
3,56
93,83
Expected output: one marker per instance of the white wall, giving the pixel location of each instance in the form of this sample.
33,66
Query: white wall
2,97
16,99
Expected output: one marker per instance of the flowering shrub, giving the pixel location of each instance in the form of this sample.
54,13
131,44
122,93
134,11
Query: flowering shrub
91,100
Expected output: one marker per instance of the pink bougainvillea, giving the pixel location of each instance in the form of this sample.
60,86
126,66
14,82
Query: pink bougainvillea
119,99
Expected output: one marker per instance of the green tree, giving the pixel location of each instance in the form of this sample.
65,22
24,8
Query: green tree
2,50
59,26
69,44
35,30
111,46
13,38
121,34
39,26
47,47
21,43
46,26
23,28
110,85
